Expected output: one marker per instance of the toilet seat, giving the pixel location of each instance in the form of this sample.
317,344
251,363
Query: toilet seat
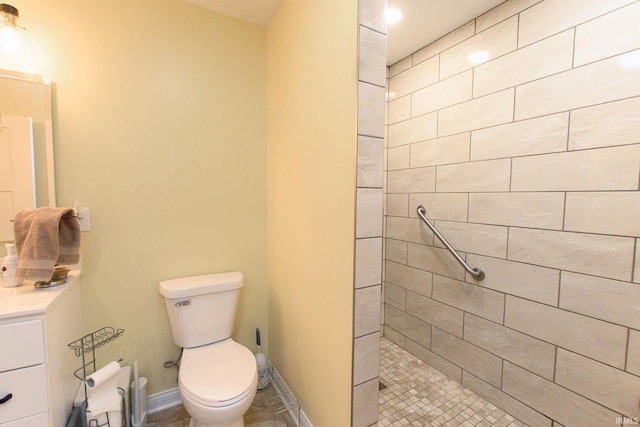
218,375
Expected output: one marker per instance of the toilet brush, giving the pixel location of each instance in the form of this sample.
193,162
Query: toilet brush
264,377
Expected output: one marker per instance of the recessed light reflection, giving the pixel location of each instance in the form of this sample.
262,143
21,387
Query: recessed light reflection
392,15
629,61
478,57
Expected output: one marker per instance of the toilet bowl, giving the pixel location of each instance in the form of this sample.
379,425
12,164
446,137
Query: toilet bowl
218,383
218,378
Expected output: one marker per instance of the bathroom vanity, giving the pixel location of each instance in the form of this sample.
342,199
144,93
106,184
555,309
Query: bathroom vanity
37,383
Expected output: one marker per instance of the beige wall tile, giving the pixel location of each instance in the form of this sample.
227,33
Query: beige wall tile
524,65
594,338
608,35
372,57
533,210
553,16
413,279
398,157
368,266
400,66
605,256
604,212
501,12
490,175
445,93
413,130
586,170
480,239
435,313
636,268
400,109
453,38
394,336
414,78
370,158
441,151
408,325
408,230
615,123
433,259
435,361
371,14
417,180
366,358
606,80
365,404
611,300
371,110
369,203
395,296
596,381
496,41
395,250
633,357
489,110
397,205
502,400
546,134
446,206
470,298
524,280
555,401
367,311
535,355
479,362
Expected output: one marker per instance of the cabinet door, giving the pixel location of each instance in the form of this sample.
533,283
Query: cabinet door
28,388
22,344
39,420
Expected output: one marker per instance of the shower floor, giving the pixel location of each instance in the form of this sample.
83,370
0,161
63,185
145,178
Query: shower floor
413,393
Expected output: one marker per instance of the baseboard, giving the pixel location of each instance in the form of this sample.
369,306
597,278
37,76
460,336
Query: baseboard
290,402
163,400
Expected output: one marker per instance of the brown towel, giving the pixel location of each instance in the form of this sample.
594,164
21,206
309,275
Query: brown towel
44,237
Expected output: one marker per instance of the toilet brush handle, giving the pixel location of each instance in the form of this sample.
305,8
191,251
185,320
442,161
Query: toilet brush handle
258,336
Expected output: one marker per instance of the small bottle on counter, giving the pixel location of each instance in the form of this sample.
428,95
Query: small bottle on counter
9,265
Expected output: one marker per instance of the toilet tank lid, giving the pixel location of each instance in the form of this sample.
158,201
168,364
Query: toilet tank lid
199,285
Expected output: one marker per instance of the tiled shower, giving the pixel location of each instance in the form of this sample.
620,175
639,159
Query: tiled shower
528,163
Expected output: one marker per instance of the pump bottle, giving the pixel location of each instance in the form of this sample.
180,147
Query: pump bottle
9,265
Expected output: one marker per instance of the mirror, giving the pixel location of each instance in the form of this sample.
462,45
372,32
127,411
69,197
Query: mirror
27,96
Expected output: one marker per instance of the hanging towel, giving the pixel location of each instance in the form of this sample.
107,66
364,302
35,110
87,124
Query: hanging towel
44,237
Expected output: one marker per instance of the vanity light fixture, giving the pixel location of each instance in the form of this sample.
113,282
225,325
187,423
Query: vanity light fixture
14,52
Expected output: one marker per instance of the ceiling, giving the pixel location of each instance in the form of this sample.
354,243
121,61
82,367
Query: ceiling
423,21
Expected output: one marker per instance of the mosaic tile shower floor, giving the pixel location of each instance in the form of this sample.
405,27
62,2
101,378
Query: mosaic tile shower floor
418,395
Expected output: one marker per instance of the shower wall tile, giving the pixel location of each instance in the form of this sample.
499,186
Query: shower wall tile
636,269
398,157
453,90
372,15
452,39
524,65
608,35
521,138
610,300
528,281
584,170
371,110
409,326
605,256
419,128
365,404
553,16
434,360
412,279
441,151
370,162
530,209
436,260
399,67
613,212
435,313
408,229
366,357
400,109
495,41
395,296
532,354
417,180
369,203
397,205
476,238
595,381
372,57
367,311
501,12
633,361
396,250
490,175
489,110
414,78
445,206
555,401
608,80
469,298
605,342
368,265
615,123
473,359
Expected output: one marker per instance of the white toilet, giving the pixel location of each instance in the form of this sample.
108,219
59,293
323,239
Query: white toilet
218,377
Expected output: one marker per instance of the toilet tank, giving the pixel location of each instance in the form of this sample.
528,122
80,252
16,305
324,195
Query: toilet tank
202,309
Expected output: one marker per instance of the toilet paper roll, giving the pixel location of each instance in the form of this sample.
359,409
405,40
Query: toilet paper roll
103,375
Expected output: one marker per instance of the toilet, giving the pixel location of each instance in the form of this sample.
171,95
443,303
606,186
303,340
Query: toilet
218,377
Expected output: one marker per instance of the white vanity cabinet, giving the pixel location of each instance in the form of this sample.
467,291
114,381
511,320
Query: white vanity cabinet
37,385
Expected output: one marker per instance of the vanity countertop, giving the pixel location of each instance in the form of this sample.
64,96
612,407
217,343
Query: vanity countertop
26,300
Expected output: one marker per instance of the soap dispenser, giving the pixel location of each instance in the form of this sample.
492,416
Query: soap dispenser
9,265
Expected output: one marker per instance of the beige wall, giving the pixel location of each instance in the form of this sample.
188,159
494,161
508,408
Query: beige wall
529,165
311,214
160,129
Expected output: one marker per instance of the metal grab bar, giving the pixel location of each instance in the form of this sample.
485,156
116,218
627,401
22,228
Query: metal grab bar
475,272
